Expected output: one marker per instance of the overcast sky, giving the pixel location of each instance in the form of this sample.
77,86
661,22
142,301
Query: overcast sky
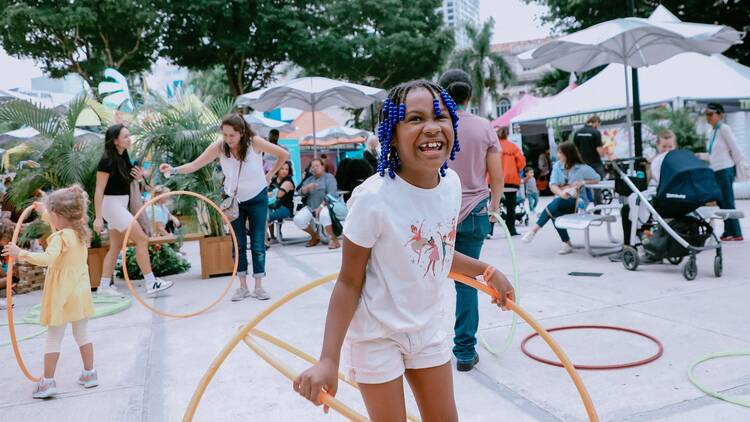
514,21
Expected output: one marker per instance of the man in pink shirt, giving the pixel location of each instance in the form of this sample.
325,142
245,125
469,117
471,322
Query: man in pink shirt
480,156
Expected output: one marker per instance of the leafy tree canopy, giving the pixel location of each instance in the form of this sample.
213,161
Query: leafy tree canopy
249,38
570,16
375,42
82,36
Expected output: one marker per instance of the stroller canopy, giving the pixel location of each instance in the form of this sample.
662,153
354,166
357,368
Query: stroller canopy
685,183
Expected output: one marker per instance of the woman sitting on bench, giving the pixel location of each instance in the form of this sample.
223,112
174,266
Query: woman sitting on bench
568,175
280,197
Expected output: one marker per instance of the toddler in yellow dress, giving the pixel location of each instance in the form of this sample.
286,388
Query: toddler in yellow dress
67,289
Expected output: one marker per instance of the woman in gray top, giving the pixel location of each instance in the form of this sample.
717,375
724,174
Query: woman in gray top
315,189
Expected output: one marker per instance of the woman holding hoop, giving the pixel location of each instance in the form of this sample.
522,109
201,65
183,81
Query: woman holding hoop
114,175
241,156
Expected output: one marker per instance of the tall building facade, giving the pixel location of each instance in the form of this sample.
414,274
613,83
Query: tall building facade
458,13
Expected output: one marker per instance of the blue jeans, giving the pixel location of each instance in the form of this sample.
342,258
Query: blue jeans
254,211
279,213
533,198
555,209
725,178
470,236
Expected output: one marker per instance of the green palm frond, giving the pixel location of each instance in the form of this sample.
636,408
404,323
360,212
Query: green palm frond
221,107
75,108
46,121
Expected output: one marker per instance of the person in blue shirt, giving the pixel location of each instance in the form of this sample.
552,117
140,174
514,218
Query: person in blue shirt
569,174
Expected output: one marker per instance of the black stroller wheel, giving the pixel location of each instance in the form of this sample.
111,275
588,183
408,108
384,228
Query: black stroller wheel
718,266
690,270
607,196
674,260
630,258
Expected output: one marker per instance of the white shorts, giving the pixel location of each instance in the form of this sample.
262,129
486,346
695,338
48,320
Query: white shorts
116,213
385,359
304,217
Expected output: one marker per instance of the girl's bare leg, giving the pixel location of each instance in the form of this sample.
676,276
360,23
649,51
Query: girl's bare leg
433,390
50,363
385,402
87,356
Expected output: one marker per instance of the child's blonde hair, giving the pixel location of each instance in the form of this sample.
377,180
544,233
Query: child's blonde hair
160,189
71,204
666,135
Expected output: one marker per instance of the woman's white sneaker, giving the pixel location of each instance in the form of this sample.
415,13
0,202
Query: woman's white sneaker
566,249
529,236
157,286
109,290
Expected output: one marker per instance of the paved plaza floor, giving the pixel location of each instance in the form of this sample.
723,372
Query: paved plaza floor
149,366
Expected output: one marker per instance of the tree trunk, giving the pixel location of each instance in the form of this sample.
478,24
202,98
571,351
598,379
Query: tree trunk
235,80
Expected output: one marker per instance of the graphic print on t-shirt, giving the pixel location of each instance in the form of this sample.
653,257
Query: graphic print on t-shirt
430,245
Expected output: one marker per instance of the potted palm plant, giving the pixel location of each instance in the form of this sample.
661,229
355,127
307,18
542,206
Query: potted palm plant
178,133
60,159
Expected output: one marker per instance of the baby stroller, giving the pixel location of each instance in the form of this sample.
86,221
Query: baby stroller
679,225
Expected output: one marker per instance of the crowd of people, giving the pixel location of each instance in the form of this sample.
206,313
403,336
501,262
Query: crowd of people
421,204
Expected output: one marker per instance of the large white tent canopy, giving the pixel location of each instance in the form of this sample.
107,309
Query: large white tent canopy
688,76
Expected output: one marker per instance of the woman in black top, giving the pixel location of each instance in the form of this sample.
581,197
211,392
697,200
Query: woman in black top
282,188
113,178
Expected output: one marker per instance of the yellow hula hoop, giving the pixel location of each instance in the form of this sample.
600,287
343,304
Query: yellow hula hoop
326,398
241,334
252,344
125,248
9,298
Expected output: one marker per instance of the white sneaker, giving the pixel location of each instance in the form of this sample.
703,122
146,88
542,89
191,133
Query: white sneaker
240,294
89,381
566,249
529,236
44,390
158,286
4,304
260,294
110,290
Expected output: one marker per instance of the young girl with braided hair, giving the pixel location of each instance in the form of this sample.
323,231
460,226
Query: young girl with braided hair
67,289
386,303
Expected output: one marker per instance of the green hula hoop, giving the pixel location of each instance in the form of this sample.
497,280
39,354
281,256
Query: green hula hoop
516,288
720,396
113,305
24,338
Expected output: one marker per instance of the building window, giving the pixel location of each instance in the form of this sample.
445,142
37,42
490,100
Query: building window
503,106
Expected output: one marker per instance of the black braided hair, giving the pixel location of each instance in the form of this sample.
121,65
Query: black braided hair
394,111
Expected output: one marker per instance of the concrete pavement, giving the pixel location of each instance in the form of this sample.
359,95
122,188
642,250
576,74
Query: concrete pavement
149,366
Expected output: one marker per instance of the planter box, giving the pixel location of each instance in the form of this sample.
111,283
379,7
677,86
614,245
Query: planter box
216,256
96,261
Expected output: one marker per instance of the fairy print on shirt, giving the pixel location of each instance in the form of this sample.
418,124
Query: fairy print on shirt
430,246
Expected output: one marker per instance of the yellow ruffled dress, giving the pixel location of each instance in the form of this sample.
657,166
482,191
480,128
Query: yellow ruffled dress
67,289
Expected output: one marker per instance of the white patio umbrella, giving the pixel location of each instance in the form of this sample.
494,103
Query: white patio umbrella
263,125
634,42
338,132
312,94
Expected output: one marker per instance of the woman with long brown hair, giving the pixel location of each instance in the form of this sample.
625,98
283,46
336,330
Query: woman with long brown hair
240,153
569,174
111,197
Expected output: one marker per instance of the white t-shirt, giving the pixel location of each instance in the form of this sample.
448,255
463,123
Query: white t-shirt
412,233
656,169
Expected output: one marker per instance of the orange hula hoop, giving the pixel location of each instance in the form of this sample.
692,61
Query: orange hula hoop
9,298
249,330
125,247
582,391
